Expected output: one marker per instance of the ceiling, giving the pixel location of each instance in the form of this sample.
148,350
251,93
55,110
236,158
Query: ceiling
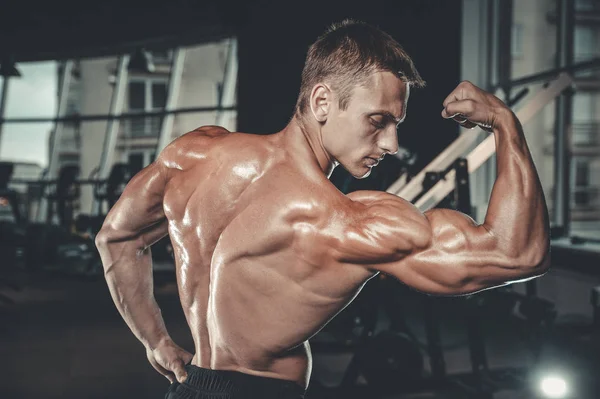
44,30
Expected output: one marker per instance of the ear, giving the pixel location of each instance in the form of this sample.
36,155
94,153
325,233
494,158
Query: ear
321,98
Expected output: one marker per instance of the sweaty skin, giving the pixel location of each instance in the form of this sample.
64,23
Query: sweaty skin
267,250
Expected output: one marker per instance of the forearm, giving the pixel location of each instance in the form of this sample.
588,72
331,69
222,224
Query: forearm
517,214
128,273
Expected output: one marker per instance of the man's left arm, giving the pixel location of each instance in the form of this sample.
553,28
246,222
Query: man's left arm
136,222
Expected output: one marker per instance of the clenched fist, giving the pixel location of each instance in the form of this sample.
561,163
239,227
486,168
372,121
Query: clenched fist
471,106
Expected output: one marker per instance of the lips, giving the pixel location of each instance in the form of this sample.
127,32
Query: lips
372,162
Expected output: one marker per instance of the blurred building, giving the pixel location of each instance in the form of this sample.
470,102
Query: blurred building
533,48
90,93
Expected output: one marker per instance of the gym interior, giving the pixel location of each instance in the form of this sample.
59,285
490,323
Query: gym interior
90,93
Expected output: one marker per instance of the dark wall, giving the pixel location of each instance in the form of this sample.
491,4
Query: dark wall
276,35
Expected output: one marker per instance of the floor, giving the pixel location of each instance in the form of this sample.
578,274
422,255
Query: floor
63,338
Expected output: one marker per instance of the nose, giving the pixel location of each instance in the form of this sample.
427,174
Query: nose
388,141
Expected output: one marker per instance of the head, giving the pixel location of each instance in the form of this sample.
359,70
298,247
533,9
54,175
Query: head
355,87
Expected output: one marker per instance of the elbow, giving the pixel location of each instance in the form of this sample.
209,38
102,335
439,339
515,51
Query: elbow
537,261
541,263
544,266
105,238
532,261
101,239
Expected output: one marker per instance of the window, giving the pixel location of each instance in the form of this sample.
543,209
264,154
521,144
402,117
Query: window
162,56
585,42
584,140
516,41
584,5
159,95
582,173
73,98
137,96
534,50
146,95
582,192
139,159
65,159
136,161
584,125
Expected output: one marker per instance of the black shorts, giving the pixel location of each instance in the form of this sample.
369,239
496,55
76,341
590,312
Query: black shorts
204,383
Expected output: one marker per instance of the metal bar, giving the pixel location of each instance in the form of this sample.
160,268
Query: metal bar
229,81
477,349
53,181
462,193
166,128
476,339
488,147
488,171
562,145
435,351
542,77
441,162
56,135
104,117
466,140
504,44
492,44
56,139
3,96
112,127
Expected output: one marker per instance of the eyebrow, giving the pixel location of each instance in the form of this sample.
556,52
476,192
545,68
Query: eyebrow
389,115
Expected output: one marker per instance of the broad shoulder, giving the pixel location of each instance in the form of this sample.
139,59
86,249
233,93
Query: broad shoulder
216,145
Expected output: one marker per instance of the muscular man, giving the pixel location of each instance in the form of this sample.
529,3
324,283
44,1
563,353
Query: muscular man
267,250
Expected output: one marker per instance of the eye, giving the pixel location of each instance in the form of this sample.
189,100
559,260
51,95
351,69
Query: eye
377,124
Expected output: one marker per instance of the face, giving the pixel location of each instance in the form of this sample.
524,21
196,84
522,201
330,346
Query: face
359,136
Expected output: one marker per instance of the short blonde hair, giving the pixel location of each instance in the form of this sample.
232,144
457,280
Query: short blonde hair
347,54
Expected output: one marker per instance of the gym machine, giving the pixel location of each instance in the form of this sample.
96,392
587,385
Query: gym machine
11,233
63,243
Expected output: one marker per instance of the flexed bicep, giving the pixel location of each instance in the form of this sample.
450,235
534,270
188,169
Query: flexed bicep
441,252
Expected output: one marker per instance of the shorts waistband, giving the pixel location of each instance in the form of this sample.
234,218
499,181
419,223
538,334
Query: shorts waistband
240,384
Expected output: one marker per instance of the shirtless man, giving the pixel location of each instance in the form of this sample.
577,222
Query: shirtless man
267,250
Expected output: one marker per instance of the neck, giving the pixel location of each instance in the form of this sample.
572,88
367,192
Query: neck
306,141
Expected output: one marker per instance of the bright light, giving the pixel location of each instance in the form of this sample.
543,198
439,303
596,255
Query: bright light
554,387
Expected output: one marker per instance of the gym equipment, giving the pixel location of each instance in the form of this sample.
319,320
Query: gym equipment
9,203
80,253
595,301
62,194
68,246
428,198
449,172
11,232
42,239
108,191
389,361
106,194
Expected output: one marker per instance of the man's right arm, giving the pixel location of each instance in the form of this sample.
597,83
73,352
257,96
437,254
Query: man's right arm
445,252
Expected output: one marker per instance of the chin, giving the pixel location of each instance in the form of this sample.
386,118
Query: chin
358,171
362,176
